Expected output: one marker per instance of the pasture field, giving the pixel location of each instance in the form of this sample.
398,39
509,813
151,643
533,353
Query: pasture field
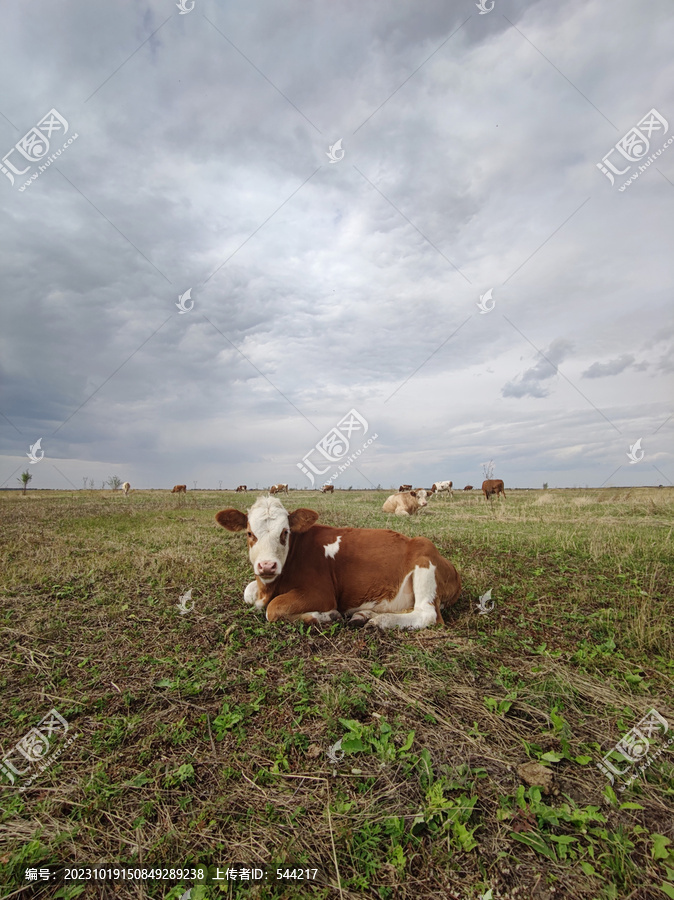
203,737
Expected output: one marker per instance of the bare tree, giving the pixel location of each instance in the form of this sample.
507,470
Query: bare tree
488,469
85,483
24,479
195,485
114,481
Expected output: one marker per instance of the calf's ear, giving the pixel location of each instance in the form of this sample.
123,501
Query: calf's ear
301,520
413,493
232,519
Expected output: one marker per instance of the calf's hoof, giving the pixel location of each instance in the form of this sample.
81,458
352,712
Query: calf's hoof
358,619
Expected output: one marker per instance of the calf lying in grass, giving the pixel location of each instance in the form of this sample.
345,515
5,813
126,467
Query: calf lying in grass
317,574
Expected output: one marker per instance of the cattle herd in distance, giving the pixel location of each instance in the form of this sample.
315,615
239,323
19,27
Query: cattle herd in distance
405,502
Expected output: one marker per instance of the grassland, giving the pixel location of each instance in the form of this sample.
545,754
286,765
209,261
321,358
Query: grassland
204,737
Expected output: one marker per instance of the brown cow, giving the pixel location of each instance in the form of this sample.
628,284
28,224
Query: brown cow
405,503
242,489
493,486
468,487
404,487
278,489
179,489
328,489
317,574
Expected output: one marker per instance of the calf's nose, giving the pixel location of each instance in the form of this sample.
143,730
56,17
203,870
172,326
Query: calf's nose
266,567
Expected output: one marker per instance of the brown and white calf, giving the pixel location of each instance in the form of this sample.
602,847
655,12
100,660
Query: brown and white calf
242,489
278,489
404,487
441,487
328,489
493,486
126,487
405,504
179,489
318,574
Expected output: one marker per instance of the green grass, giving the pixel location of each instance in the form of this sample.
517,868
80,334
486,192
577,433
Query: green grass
204,738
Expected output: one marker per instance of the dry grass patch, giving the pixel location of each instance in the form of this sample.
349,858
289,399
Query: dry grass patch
204,737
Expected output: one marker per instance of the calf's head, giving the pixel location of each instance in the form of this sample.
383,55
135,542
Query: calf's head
268,526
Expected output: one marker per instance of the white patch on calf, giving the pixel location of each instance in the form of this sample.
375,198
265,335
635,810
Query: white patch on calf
331,549
252,596
423,614
404,599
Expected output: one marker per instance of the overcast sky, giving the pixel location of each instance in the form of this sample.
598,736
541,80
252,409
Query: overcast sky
467,166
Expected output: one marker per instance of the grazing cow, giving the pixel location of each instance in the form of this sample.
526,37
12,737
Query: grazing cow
441,487
126,487
278,489
404,487
405,504
317,574
493,486
242,489
328,489
468,487
179,489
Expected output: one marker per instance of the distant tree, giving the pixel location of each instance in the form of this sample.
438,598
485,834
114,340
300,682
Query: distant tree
25,478
91,483
220,485
195,485
545,485
85,483
114,481
488,469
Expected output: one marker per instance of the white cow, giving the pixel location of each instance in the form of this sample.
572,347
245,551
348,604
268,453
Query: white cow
406,503
441,487
126,487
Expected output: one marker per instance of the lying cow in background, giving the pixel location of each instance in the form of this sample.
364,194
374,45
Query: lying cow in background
405,504
317,574
242,489
493,486
179,489
328,489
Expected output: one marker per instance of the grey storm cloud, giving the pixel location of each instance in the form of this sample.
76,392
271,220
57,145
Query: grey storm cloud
612,367
529,383
470,146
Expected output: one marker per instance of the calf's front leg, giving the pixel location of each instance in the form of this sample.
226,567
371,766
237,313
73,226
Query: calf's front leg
294,606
